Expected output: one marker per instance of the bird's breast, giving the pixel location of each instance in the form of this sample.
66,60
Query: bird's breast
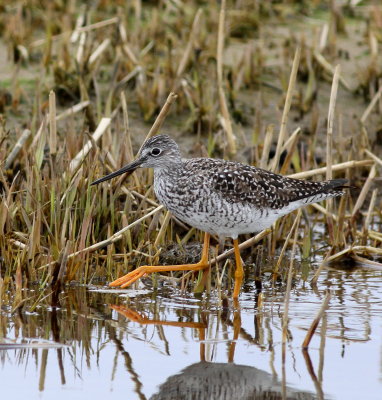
177,195
195,203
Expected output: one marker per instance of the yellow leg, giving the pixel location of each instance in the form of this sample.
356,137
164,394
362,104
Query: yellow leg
236,331
142,319
202,338
138,273
239,272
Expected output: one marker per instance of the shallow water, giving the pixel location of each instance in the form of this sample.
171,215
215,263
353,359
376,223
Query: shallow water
126,344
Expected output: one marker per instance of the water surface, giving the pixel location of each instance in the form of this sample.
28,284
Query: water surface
140,344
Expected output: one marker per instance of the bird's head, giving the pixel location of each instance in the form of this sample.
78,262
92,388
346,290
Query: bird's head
157,152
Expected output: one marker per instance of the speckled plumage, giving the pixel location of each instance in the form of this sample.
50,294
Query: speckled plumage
224,197
228,198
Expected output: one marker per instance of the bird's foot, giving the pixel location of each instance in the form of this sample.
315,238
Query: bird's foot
130,314
131,277
138,273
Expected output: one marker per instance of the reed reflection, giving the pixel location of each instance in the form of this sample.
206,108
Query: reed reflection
62,338
212,380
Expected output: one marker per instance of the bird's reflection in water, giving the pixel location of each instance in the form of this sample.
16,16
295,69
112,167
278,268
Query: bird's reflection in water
224,381
217,381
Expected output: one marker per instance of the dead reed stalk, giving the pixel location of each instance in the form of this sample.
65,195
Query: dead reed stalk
110,240
162,115
288,103
227,124
52,123
16,149
101,129
329,143
316,321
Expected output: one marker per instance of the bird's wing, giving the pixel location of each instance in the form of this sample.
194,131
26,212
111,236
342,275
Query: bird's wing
240,183
243,183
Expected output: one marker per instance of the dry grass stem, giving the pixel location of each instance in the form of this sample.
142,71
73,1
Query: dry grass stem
52,123
317,274
78,31
127,49
329,68
289,284
162,115
81,49
227,125
288,103
267,146
134,73
291,140
329,132
73,110
353,250
372,104
329,144
290,148
16,149
187,52
370,210
294,227
373,156
98,25
335,167
112,239
325,212
98,52
316,321
323,37
365,190
286,305
162,231
366,262
101,129
39,133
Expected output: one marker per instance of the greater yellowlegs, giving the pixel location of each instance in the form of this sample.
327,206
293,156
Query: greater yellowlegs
219,197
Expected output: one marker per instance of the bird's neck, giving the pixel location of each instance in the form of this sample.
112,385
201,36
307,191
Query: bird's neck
169,171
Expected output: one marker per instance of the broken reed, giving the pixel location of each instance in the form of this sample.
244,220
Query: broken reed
51,221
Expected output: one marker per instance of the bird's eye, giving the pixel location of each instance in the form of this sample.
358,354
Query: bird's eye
155,151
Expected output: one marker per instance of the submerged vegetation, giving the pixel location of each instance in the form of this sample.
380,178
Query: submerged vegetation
290,86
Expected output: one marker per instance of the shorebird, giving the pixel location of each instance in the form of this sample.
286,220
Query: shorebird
219,197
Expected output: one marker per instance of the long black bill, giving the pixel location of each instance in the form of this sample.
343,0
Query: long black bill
127,168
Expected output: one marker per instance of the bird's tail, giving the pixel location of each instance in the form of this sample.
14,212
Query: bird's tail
332,188
335,185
